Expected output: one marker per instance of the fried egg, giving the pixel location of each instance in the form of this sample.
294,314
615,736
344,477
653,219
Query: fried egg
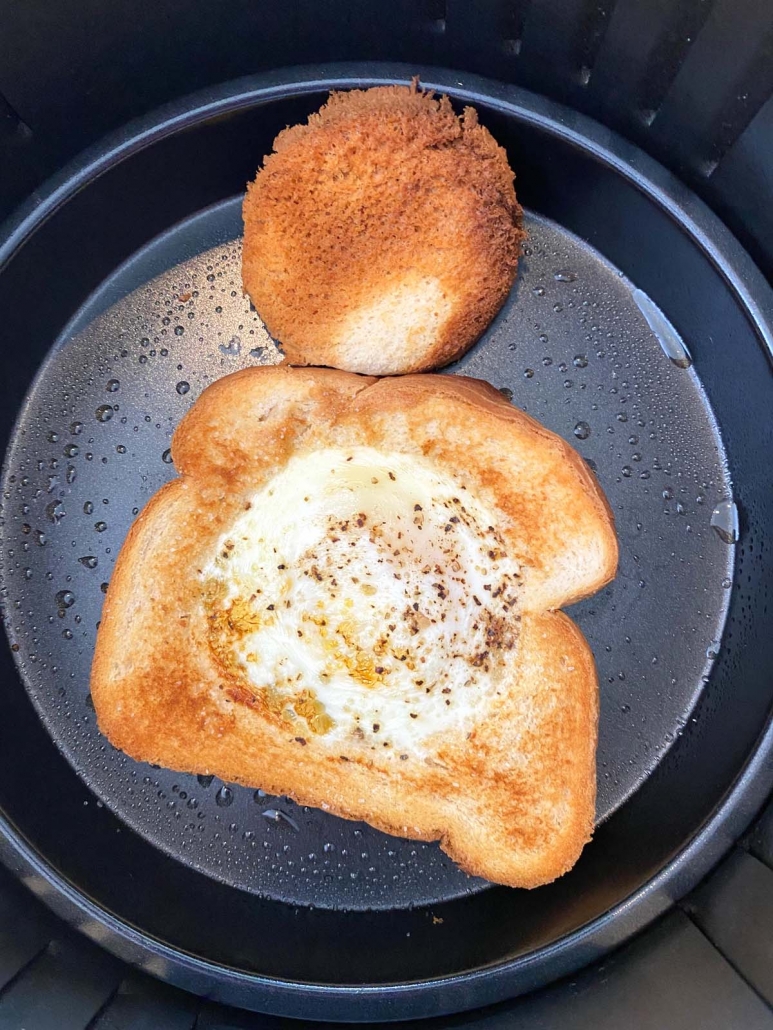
364,598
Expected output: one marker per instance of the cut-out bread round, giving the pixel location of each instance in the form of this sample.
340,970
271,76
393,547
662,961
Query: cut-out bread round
382,236
501,769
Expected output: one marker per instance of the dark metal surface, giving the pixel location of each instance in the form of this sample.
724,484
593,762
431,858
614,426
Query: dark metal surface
63,989
670,978
496,942
572,347
760,839
734,909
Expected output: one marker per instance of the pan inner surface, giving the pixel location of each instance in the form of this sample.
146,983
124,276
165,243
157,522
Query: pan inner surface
572,347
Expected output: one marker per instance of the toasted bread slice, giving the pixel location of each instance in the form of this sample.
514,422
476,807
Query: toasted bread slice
347,596
383,236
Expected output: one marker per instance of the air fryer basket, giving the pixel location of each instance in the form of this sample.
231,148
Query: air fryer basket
625,264
628,275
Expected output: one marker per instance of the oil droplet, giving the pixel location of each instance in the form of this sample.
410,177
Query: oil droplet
113,385
506,392
65,599
547,362
627,471
580,361
104,412
671,342
275,815
76,428
528,373
71,450
205,781
233,347
582,430
90,561
538,291
726,583
88,508
224,797
564,275
53,437
166,457
183,387
55,512
179,330
100,527
724,521
67,634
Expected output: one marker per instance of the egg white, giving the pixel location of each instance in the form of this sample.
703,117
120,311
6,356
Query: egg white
375,583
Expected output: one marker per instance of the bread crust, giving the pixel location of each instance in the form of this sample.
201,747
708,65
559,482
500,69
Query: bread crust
385,202
513,801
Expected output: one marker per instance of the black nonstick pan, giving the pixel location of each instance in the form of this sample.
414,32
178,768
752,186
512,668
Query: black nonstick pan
638,330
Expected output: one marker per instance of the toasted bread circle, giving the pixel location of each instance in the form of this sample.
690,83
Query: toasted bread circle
491,752
382,236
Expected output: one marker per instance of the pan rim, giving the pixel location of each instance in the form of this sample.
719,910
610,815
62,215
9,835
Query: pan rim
502,979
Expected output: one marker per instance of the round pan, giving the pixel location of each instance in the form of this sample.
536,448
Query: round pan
638,329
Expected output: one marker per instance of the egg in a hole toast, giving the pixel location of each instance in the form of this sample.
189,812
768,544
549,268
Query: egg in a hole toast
349,596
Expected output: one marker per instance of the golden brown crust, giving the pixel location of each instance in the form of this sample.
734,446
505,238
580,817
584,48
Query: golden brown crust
514,803
383,190
559,523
